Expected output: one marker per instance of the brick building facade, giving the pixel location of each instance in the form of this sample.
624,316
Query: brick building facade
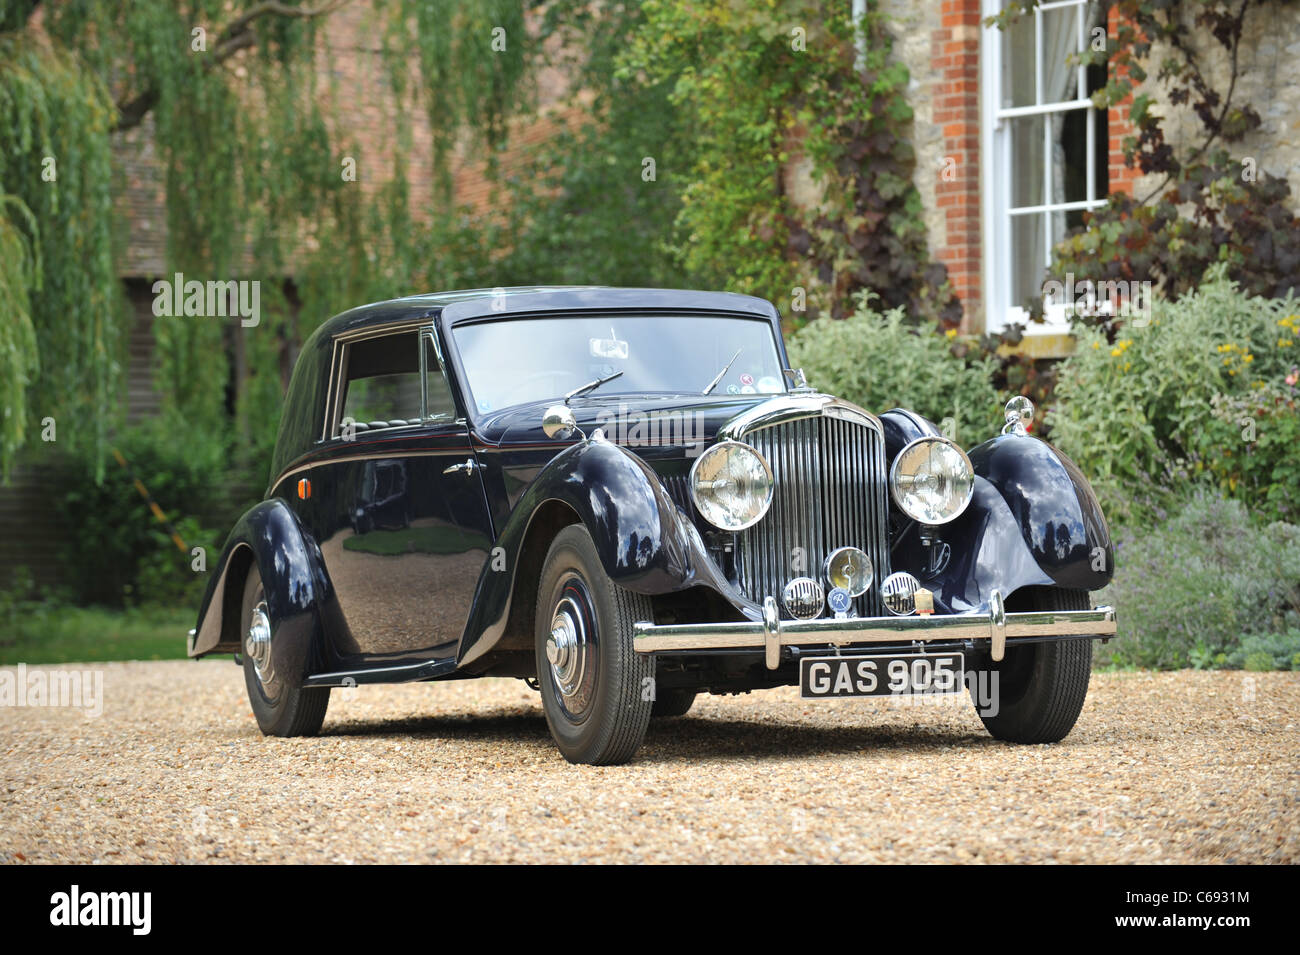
1010,151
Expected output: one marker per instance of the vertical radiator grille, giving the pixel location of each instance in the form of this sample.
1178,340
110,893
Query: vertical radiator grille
830,492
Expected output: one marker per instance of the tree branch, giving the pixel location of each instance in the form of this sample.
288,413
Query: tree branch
237,35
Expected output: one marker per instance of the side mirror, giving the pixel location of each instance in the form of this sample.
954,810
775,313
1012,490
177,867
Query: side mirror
558,422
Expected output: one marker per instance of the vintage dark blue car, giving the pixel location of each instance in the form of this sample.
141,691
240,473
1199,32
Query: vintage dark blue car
627,497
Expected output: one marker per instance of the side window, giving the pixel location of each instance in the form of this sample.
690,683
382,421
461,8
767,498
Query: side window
439,405
382,384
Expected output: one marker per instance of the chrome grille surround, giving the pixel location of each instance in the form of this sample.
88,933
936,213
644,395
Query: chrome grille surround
828,461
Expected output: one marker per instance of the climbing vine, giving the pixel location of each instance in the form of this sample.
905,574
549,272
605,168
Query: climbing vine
765,92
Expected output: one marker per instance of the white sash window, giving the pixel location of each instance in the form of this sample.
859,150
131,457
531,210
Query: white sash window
1044,147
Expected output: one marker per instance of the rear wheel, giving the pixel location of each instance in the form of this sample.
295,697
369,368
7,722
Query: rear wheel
1035,694
672,703
281,705
596,689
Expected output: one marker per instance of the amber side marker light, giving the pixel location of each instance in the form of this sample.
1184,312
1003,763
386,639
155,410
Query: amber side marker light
304,489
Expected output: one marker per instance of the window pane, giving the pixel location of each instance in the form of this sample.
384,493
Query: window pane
1018,87
1060,43
1027,266
440,404
383,381
387,398
1026,154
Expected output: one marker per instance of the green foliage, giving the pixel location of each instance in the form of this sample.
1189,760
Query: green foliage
245,131
58,290
1191,584
881,361
581,212
1203,391
45,632
1268,651
19,356
118,553
760,87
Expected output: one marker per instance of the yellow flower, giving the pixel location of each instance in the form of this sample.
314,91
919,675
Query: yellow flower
1248,357
951,333
1096,345
1116,352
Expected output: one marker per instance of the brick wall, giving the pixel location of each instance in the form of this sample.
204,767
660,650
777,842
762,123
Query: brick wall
955,58
1122,178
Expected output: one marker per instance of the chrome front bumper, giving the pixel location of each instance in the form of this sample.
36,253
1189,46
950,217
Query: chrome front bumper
997,626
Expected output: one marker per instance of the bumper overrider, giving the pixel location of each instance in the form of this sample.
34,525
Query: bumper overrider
993,630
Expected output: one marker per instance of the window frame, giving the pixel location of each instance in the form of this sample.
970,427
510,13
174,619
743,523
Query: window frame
334,398
996,173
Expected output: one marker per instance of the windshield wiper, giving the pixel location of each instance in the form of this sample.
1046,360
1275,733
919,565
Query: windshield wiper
726,368
590,386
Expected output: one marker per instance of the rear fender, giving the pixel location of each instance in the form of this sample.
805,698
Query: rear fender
298,591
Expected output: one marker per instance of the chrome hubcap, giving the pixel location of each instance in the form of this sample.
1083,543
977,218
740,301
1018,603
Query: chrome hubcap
257,644
571,652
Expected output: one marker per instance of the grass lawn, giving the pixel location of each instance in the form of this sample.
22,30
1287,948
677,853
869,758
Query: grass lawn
39,634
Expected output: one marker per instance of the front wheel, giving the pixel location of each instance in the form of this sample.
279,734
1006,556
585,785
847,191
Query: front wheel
1035,694
597,691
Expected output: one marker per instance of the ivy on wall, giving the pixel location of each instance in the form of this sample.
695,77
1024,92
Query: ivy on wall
762,87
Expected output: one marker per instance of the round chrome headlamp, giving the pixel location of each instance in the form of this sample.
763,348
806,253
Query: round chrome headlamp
731,485
932,480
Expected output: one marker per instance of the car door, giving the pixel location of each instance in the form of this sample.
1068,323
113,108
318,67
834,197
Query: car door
404,527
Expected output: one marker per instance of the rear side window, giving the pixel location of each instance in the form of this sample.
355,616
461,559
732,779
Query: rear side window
384,384
382,387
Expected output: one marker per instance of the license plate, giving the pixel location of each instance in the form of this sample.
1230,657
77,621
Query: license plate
914,674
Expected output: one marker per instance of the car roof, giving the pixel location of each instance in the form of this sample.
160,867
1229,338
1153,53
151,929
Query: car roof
537,300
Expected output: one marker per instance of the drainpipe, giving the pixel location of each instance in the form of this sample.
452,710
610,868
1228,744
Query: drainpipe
859,12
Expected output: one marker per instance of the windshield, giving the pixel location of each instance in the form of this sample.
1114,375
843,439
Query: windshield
515,361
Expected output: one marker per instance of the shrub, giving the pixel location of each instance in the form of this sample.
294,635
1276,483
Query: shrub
1188,588
880,361
117,552
1204,391
1268,651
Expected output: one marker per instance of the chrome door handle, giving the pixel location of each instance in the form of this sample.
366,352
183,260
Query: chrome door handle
466,468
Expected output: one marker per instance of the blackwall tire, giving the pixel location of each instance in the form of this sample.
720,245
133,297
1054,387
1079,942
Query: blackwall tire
670,703
281,705
596,689
1040,687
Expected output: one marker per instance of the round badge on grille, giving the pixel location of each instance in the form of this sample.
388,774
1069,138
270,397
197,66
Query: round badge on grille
804,598
850,568
839,600
899,591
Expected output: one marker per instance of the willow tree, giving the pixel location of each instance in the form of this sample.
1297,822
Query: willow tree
231,93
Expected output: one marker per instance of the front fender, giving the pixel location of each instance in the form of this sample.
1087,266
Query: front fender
645,542
1054,508
1033,521
293,577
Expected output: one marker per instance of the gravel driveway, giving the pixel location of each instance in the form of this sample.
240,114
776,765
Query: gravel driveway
1168,767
